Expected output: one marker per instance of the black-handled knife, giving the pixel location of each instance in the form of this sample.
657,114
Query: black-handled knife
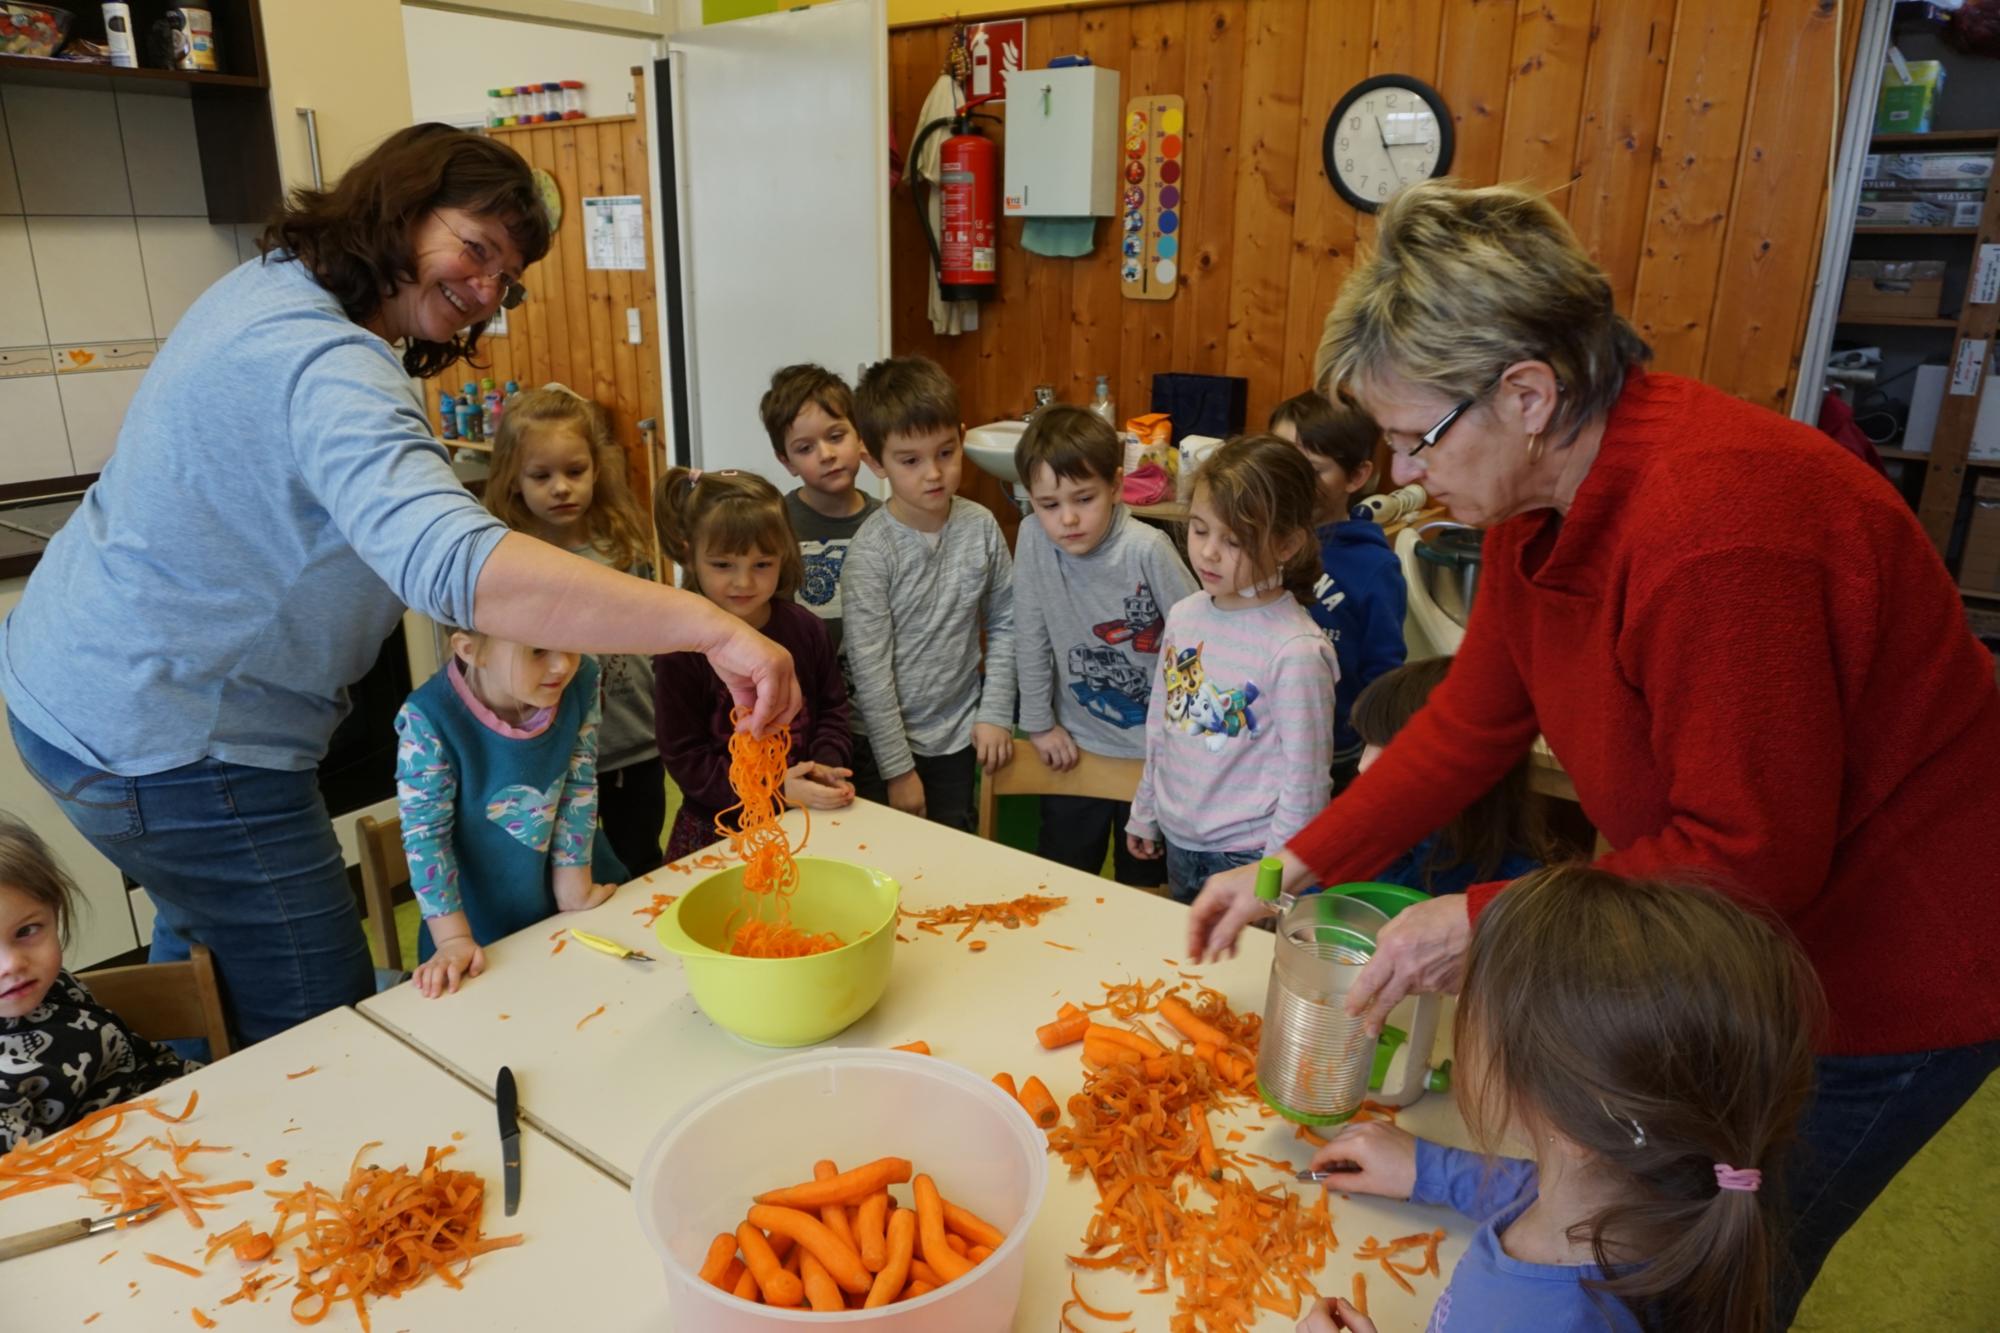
510,1138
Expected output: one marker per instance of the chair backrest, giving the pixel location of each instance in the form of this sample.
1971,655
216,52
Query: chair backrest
1026,775
166,1001
384,869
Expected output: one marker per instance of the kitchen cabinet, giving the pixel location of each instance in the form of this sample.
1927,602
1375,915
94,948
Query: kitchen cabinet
346,64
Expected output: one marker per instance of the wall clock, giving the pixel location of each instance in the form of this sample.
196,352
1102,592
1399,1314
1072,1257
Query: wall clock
1387,132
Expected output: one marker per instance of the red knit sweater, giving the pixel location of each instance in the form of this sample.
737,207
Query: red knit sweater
1752,663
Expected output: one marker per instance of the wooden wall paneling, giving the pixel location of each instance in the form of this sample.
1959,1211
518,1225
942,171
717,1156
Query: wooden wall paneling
1267,179
1097,306
599,383
1214,92
624,402
1473,69
1545,92
1767,270
1630,43
561,282
1324,233
1407,36
577,302
1701,134
1159,64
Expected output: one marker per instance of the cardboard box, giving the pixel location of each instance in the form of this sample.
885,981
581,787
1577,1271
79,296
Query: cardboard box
1931,167
1905,107
1979,562
1917,211
1894,289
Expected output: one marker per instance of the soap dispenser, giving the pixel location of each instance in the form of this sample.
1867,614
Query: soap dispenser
1101,403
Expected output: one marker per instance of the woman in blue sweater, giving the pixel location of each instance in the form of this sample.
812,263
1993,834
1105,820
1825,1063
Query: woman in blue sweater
179,659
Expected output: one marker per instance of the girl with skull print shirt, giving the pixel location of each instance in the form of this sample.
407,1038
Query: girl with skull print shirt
62,1054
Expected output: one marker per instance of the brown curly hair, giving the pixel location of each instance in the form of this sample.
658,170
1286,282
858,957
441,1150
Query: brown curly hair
355,234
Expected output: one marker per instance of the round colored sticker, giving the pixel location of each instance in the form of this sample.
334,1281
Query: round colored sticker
1136,122
1171,120
1135,146
1167,247
1136,171
1170,146
1170,222
1165,270
1169,173
1170,197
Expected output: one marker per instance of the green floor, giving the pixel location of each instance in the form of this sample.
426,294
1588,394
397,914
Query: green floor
1922,1257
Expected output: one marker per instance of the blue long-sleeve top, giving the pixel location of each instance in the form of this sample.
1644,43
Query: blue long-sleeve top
1358,603
275,501
1489,1291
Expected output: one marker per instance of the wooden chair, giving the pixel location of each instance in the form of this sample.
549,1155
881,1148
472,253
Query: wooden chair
383,870
1094,775
166,1001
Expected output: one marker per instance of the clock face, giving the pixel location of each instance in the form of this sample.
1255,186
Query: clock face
1387,132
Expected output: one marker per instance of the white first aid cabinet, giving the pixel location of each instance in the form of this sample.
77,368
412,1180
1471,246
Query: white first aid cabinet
1061,157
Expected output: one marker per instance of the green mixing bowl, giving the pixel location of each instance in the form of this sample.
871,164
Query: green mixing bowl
788,1001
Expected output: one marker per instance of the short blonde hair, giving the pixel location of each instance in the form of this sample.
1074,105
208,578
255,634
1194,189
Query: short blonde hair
1463,283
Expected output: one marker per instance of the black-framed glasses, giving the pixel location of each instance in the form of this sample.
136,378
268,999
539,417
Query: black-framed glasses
512,293
1436,433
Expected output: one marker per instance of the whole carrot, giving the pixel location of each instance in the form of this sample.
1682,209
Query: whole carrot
916,1289
834,1214
822,1293
779,1287
931,1234
1063,1031
968,1224
1175,1010
979,1254
900,1248
1123,1037
746,1284
720,1251
1040,1105
850,1186
814,1237
870,1217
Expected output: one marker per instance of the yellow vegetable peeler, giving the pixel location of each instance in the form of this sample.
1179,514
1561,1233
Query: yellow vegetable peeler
602,945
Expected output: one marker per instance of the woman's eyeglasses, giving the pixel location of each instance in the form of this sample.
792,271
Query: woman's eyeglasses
1431,436
512,293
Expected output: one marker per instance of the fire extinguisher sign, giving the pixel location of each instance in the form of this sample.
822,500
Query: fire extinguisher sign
998,48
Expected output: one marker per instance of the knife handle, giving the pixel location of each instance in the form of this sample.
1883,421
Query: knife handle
28,1242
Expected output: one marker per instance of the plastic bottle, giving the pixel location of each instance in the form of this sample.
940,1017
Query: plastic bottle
1101,402
118,35
572,107
552,101
489,399
447,416
473,427
461,412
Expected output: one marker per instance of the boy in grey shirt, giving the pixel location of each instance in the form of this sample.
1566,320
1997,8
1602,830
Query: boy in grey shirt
923,577
1095,584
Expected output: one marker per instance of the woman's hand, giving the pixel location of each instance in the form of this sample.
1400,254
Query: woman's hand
1229,902
456,959
1386,1158
1334,1315
1056,747
1423,949
758,674
818,787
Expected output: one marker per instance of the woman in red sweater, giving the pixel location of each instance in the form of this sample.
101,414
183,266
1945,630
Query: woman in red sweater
1735,636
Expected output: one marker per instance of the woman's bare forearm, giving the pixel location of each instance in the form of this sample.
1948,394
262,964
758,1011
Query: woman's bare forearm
533,593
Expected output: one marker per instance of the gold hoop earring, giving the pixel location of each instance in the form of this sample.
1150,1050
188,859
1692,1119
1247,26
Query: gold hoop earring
1535,447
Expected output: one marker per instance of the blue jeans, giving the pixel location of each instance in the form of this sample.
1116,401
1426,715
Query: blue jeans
243,860
1187,871
1869,1116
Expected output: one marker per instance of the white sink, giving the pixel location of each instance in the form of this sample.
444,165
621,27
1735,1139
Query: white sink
991,447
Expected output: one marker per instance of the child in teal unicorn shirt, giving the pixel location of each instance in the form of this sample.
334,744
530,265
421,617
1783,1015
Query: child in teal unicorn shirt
496,780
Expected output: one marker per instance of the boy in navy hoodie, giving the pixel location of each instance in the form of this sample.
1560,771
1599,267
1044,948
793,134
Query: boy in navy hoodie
1359,600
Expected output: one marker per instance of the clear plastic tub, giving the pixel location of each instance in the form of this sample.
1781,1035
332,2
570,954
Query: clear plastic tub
766,1130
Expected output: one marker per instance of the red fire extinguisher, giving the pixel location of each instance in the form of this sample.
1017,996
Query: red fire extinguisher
966,247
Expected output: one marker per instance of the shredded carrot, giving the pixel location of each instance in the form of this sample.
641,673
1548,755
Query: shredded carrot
1026,910
1361,1292
1091,1310
762,925
174,1264
93,1317
1068,948
914,1047
107,1256
309,1069
201,1319
85,1155
561,938
652,911
385,1232
587,1017
275,1167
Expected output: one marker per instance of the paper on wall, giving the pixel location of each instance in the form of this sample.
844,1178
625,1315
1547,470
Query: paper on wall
614,232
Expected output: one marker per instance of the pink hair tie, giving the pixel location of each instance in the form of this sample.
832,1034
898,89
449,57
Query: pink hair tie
1729,1178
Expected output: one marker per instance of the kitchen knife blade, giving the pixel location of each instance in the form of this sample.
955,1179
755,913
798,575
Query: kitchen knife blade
508,1103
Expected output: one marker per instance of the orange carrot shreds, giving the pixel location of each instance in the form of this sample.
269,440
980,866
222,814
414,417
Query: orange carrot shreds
309,1069
174,1264
1066,948
107,1256
1109,1316
587,1017
254,1248
93,1317
914,1047
1361,1292
385,1232
86,1156
653,910
757,766
200,1317
1026,910
275,1167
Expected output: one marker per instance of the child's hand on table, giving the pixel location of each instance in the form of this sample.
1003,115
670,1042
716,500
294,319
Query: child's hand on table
1386,1156
994,745
1056,747
906,793
819,787
456,959
1332,1315
1146,849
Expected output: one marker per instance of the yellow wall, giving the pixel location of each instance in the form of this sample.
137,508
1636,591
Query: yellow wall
904,13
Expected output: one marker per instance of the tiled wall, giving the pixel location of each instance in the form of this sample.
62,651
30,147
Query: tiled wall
104,243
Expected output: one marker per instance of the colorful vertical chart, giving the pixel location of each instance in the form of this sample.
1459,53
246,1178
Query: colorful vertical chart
1154,162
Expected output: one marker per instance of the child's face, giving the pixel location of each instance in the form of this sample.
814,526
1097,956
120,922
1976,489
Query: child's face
30,953
1336,484
1369,754
923,470
1220,561
1076,514
823,451
741,584
558,475
515,675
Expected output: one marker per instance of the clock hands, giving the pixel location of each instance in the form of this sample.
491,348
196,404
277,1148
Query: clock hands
1388,156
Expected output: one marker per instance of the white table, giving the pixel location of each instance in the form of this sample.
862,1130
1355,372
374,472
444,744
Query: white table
606,1090
368,1086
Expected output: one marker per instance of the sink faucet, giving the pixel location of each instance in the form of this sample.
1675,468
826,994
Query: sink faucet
1044,395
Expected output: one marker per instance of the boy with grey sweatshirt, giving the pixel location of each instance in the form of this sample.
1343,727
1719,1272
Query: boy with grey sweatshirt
924,575
1094,586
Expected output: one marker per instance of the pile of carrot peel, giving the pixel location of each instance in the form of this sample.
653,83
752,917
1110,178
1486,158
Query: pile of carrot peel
1385,1254
85,1155
841,1242
1026,910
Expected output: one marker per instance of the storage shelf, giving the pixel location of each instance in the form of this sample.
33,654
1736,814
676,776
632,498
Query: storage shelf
1936,137
1912,454
1898,322
1978,594
1916,231
161,82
